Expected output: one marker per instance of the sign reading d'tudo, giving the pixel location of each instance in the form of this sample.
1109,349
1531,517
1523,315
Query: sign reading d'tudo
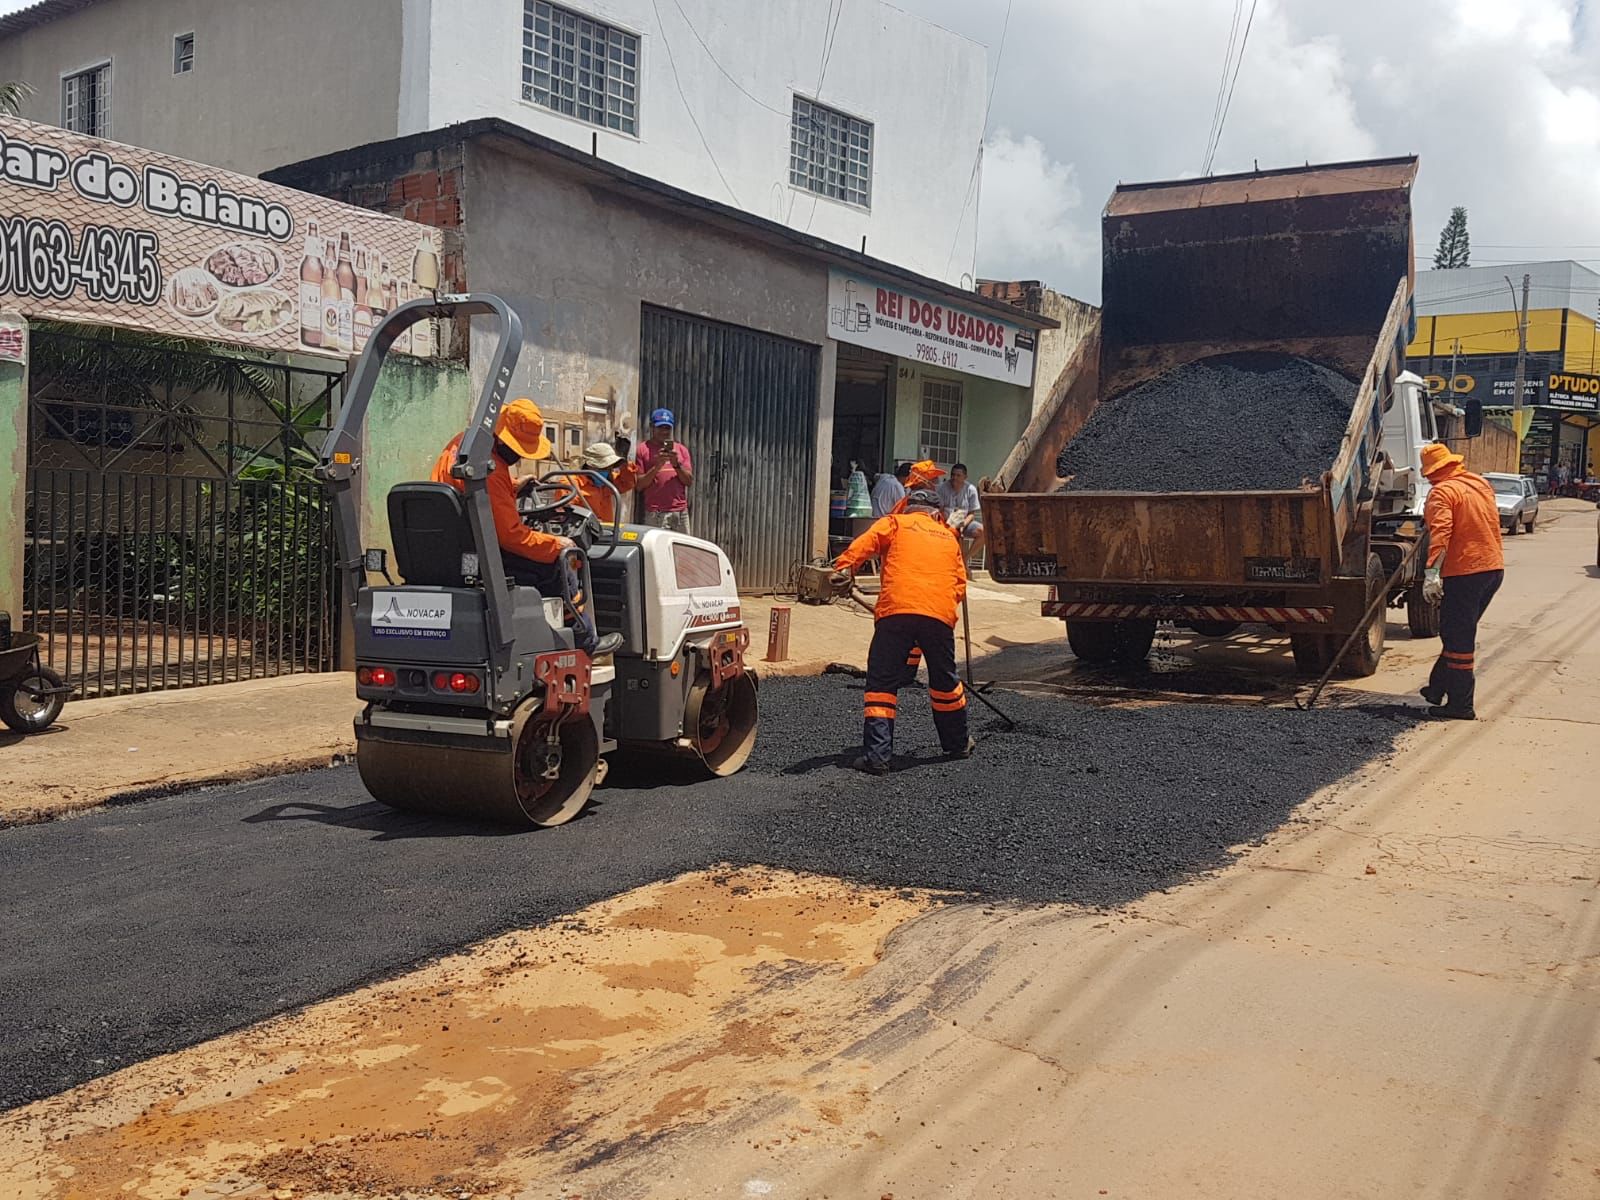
97,232
883,317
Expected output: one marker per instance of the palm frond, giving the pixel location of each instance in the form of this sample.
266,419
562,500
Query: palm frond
12,95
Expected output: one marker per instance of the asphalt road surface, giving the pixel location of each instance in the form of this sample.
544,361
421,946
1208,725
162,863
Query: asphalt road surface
133,931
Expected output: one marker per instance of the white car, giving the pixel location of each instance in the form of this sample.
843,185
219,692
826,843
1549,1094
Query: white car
1518,500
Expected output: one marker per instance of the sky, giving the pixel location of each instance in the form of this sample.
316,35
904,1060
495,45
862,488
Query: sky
1499,98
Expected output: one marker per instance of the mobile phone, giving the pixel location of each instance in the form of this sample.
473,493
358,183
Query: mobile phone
668,445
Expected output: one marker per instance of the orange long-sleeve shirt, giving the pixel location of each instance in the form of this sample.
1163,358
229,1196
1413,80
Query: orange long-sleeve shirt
1463,525
598,500
923,571
513,535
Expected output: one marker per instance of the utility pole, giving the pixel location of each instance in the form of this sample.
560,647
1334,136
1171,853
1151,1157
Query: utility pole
1522,339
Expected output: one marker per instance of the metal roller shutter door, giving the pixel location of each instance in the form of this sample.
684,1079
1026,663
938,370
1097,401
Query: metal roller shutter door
746,405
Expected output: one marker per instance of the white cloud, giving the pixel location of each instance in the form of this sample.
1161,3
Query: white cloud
1498,98
1030,208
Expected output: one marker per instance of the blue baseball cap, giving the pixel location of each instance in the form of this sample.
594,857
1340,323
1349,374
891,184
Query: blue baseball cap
662,416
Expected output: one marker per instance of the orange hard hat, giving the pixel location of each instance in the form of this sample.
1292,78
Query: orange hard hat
521,426
1438,457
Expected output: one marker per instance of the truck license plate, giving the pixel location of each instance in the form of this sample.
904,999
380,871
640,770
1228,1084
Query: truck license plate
1283,570
1029,566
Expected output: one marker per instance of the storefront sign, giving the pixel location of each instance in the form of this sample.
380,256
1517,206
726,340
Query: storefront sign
101,233
1577,393
1495,388
866,312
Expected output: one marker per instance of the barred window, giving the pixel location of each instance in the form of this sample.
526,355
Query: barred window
578,67
86,101
830,153
940,438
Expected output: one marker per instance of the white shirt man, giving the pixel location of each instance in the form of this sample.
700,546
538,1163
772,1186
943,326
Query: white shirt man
958,496
889,490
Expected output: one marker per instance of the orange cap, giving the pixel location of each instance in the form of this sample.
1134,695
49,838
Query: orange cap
925,471
521,426
1437,457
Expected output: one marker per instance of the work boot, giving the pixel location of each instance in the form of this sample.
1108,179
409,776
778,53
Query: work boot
1433,695
965,751
607,645
1452,712
867,767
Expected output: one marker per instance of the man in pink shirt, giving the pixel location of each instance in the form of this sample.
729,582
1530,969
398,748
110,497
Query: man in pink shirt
666,473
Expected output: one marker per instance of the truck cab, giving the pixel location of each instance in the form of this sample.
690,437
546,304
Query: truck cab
1408,426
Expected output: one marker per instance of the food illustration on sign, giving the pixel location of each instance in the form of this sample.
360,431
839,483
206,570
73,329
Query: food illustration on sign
193,293
254,312
242,264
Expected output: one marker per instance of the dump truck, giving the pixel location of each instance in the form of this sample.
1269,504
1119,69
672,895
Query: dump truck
1313,262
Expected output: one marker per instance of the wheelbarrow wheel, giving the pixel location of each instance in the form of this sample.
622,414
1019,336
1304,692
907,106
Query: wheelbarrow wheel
29,704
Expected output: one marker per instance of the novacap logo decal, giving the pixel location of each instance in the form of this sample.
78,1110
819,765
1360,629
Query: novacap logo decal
394,615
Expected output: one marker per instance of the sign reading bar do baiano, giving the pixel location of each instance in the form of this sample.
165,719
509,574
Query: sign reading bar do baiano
100,233
866,312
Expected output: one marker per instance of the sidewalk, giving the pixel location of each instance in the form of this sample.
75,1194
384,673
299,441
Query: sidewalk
130,747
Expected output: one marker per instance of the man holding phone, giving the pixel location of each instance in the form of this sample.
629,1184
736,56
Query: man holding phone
666,473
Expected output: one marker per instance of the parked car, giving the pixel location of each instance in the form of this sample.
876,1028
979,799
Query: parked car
1518,498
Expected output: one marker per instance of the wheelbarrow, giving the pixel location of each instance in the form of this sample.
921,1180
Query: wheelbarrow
31,694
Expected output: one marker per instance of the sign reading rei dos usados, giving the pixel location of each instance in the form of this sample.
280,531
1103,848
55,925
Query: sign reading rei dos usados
100,233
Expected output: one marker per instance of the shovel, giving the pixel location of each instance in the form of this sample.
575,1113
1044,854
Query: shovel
966,634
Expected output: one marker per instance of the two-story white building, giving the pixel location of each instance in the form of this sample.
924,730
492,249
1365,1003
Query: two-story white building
757,213
854,121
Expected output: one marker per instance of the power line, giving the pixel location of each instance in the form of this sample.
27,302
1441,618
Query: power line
671,62
1244,43
722,68
816,94
977,159
827,57
1222,81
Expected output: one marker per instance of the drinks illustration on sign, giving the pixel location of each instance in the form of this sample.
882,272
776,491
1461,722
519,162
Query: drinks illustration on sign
311,288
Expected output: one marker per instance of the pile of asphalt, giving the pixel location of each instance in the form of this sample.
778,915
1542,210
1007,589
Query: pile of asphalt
1234,422
134,931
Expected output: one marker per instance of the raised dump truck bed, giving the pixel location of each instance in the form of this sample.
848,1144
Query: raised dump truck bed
1314,262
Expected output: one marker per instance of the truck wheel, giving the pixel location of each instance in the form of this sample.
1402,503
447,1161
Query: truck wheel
1362,659
1092,641
1421,614
1311,652
1103,642
1134,639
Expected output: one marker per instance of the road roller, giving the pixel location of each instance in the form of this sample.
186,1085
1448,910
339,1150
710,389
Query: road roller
478,704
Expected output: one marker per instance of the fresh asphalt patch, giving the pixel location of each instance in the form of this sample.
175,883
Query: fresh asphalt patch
134,931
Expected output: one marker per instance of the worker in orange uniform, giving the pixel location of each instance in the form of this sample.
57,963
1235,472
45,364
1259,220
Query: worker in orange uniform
603,459
532,557
924,474
923,583
1465,568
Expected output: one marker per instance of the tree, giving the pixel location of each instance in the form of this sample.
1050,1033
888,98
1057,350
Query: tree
11,97
1454,247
